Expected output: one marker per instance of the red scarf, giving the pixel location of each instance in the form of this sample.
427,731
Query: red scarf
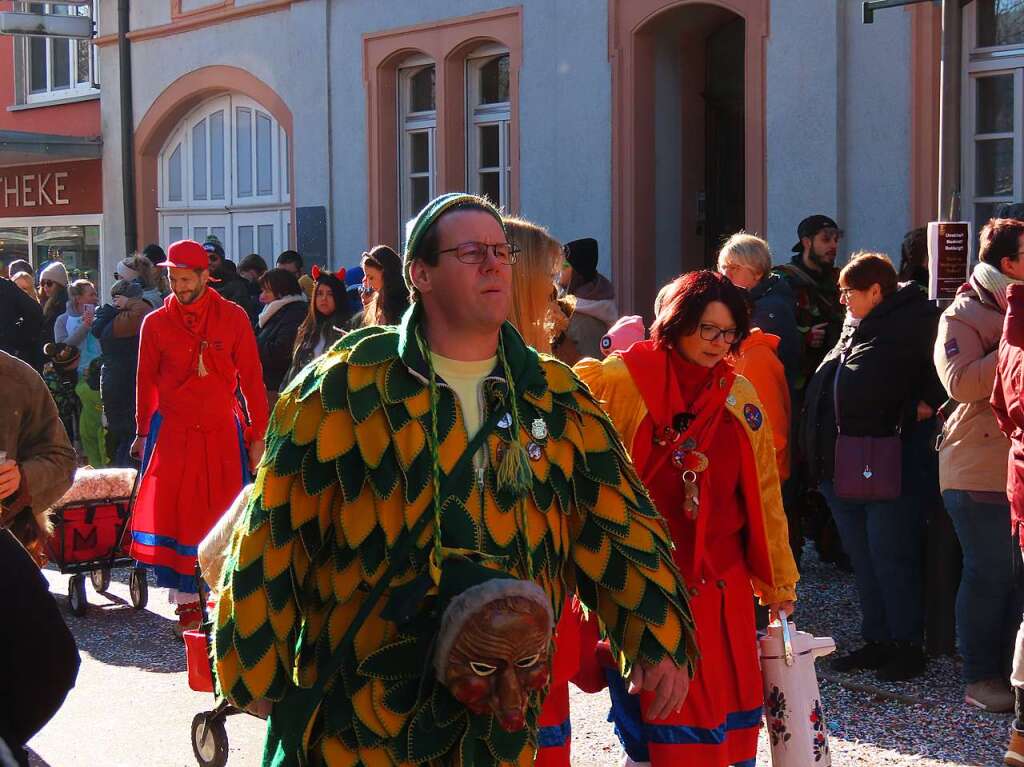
194,319
670,387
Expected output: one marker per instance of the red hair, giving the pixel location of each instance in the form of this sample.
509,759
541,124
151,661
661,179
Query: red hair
684,300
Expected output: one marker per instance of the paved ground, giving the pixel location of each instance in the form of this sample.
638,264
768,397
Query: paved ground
132,705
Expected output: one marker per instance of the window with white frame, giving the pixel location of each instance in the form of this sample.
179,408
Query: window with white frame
993,107
417,95
489,115
53,68
223,172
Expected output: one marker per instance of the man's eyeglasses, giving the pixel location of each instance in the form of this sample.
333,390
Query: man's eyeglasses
476,252
845,292
712,332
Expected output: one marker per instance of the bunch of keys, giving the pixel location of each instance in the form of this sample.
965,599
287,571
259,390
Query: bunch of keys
691,494
690,462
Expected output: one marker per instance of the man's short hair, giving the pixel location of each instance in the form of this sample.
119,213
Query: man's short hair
747,250
1000,238
290,257
253,263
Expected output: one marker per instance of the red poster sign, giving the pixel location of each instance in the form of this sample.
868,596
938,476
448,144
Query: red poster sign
949,258
53,189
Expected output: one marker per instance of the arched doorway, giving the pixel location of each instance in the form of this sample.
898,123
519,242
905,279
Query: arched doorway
688,136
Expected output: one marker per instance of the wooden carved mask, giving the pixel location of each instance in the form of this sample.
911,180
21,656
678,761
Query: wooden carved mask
500,655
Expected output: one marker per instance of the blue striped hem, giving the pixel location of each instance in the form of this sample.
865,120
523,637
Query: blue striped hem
164,542
554,735
680,734
166,578
747,763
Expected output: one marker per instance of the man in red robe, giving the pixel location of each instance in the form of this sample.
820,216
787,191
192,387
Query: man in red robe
198,444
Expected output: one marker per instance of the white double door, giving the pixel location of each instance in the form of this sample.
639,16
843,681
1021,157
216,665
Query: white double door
266,233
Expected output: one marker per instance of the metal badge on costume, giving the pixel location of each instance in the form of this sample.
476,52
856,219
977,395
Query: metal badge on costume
796,722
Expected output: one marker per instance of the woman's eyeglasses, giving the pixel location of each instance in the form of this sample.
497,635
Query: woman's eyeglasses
476,252
46,283
712,332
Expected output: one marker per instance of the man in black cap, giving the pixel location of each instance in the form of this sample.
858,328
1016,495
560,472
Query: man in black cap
814,279
595,309
226,279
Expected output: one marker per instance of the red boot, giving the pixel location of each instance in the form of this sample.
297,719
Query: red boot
190,615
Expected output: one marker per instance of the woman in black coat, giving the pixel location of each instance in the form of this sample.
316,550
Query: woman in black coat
882,375
284,309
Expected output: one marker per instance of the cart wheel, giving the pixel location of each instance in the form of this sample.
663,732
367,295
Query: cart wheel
138,588
100,579
76,595
209,740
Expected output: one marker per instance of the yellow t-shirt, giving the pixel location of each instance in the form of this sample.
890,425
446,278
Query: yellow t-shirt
464,378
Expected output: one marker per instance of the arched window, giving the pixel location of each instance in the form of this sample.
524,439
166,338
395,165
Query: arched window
417,167
489,115
224,172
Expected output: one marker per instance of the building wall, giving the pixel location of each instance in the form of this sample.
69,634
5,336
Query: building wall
294,67
838,118
564,110
81,118
838,136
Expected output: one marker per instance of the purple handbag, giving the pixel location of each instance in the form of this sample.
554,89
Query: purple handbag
866,468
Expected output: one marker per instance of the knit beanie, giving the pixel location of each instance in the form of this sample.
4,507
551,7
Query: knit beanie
624,333
125,270
126,288
55,271
582,257
429,216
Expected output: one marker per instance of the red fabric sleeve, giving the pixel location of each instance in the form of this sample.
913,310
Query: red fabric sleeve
146,395
250,378
1013,328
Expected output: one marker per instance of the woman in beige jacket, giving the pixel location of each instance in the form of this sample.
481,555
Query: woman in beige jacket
972,476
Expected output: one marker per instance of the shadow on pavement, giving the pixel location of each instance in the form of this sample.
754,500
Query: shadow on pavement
118,635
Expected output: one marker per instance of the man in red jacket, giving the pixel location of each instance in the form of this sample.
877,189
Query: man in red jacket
198,445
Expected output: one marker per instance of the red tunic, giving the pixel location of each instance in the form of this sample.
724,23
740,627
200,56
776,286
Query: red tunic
195,452
719,721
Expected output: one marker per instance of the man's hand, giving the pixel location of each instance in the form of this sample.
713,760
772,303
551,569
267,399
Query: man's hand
136,449
10,478
776,607
816,336
668,682
255,454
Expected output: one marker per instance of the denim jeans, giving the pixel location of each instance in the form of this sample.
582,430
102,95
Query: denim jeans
988,604
885,543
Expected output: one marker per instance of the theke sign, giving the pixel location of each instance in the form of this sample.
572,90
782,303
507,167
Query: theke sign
53,189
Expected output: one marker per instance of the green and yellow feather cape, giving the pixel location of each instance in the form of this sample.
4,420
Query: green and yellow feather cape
347,473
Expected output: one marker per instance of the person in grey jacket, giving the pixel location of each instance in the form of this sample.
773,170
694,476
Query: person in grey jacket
972,468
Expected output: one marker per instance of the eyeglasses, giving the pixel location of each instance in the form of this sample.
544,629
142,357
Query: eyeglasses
712,333
725,268
845,292
476,252
46,283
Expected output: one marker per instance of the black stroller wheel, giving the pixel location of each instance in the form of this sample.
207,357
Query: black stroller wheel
100,578
76,595
209,740
138,588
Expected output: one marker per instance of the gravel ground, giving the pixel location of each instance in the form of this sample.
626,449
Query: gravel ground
866,728
132,705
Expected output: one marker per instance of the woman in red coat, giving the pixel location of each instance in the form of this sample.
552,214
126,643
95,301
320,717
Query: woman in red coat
702,445
194,353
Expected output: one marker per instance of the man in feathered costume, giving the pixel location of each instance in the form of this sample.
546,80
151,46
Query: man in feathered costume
429,495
